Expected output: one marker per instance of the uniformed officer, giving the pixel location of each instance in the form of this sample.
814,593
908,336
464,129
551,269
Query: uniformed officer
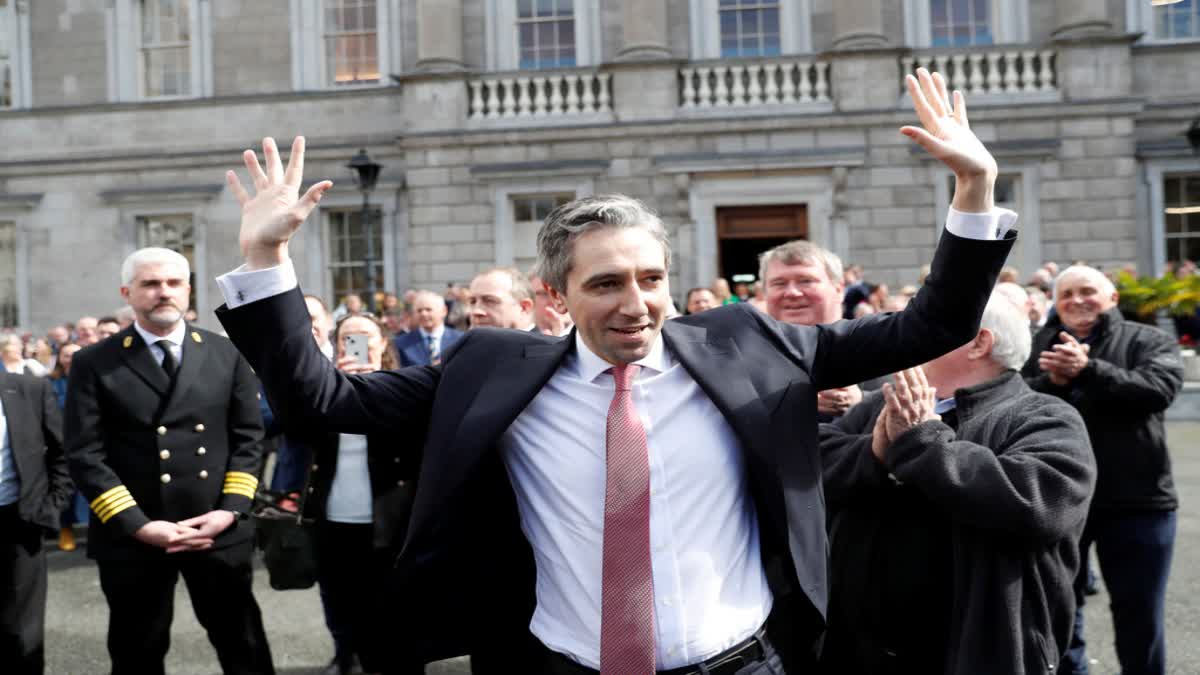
163,438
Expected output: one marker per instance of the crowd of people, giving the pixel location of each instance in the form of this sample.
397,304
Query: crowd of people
558,472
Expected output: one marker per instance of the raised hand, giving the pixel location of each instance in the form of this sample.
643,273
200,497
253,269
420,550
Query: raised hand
946,134
1064,361
276,210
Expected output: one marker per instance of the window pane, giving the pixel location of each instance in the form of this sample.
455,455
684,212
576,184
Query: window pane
1174,223
1192,248
770,21
1191,192
938,12
8,274
524,9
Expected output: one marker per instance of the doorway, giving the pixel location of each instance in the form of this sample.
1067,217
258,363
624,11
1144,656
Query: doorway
745,232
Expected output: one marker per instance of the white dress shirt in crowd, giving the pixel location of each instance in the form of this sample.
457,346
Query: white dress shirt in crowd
710,588
10,482
350,494
175,337
436,334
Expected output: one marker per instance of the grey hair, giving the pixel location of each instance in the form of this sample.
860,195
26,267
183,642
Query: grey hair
151,256
800,251
438,300
521,288
1009,326
1103,283
565,224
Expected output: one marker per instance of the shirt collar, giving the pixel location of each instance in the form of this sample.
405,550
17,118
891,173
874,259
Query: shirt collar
592,366
436,333
175,336
945,405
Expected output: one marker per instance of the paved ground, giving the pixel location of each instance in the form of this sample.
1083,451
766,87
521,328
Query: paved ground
77,617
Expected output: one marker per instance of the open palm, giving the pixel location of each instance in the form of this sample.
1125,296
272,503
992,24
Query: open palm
276,210
946,133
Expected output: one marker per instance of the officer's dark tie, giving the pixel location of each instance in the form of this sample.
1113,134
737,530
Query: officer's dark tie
168,362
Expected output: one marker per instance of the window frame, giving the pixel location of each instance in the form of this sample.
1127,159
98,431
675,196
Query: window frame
503,42
1155,170
123,33
168,215
1027,254
795,29
17,209
504,218
330,264
20,56
1010,24
310,66
1139,18
313,249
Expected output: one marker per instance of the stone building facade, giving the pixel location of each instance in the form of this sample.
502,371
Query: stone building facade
742,122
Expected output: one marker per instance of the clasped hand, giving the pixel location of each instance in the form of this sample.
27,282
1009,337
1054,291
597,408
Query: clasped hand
193,534
909,401
1064,361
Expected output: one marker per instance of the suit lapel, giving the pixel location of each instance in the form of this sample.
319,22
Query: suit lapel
136,353
15,409
195,354
715,365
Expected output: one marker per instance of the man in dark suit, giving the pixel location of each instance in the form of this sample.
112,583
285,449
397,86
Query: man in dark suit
502,298
425,345
642,494
34,488
163,438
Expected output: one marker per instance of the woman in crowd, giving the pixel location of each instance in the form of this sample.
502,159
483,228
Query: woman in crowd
360,502
12,353
77,509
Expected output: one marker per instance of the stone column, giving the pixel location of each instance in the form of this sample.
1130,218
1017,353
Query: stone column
858,24
439,35
644,23
1081,18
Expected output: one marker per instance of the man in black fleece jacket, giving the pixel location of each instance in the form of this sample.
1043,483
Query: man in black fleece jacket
955,533
1121,376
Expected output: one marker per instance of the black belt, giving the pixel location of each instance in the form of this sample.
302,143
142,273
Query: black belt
731,660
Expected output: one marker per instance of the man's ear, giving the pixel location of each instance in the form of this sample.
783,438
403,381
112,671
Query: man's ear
526,305
558,299
981,346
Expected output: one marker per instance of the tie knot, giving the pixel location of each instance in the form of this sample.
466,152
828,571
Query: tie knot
164,345
624,374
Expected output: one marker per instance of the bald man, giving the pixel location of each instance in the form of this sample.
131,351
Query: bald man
1121,376
425,346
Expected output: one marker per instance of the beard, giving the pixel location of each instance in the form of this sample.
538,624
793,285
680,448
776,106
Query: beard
165,315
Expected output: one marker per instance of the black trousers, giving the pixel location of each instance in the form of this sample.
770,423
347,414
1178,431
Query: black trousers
351,574
22,595
141,604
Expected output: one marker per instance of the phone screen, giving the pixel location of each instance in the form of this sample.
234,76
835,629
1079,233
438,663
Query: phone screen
356,346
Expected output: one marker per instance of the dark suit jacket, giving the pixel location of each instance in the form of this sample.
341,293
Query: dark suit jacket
411,349
465,562
35,436
142,449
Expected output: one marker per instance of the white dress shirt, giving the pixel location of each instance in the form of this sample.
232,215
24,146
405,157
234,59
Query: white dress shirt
175,337
436,335
10,482
709,586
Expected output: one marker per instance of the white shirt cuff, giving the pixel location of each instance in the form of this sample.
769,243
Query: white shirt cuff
981,225
242,286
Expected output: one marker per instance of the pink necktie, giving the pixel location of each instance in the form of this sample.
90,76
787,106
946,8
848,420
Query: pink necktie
627,585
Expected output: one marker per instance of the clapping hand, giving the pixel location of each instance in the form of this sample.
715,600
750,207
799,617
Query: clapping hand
836,402
946,134
276,210
909,402
1064,361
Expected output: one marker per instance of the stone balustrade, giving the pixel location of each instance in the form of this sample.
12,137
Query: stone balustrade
1013,70
761,83
540,95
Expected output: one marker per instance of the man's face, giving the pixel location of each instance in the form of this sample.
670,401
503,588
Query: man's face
700,301
354,304
492,303
361,325
802,293
617,292
107,329
158,294
320,321
85,331
430,313
59,335
13,349
1080,302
